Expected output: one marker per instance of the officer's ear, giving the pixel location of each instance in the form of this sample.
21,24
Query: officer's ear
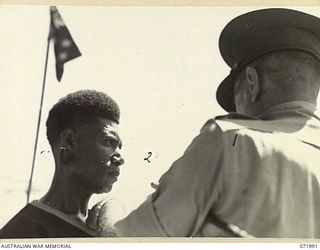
254,83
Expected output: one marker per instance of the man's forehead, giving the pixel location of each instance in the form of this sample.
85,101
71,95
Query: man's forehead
108,126
99,125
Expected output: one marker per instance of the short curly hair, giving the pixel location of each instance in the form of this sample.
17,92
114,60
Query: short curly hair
78,108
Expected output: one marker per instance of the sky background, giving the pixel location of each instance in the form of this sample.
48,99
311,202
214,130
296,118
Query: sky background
161,64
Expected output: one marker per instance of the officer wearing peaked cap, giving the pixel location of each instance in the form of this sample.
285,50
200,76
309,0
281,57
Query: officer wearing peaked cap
260,33
254,172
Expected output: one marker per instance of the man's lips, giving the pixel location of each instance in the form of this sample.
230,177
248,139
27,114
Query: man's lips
114,173
112,166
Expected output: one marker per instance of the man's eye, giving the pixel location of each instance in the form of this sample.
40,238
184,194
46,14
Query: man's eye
111,143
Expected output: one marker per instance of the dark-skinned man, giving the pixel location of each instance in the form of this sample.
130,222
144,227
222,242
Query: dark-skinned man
82,129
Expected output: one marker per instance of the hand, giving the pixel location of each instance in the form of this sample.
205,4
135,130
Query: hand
103,215
154,185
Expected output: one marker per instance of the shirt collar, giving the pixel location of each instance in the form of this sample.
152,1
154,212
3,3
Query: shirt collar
65,217
296,108
297,119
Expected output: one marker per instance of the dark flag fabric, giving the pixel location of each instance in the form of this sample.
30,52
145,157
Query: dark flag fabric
65,48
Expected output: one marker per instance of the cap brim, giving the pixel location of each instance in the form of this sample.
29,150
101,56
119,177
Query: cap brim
225,94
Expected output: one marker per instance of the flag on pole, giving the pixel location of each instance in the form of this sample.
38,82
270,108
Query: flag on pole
65,48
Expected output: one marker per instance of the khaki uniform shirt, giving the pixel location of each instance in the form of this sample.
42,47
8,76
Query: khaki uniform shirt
259,177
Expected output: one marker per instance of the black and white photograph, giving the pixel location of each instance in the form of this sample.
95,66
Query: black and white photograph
160,121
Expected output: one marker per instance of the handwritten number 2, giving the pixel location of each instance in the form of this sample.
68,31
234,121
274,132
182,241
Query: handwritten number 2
147,158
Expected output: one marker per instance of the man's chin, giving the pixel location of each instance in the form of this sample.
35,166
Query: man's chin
104,189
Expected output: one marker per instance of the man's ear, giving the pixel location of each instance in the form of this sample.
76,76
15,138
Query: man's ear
68,139
254,83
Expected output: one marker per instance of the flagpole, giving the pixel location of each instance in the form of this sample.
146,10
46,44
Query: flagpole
39,120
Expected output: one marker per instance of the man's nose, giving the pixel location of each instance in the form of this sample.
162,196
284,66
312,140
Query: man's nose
116,158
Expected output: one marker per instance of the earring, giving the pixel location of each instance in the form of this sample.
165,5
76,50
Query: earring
66,155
